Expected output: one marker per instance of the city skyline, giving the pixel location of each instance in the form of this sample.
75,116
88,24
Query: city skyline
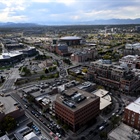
46,11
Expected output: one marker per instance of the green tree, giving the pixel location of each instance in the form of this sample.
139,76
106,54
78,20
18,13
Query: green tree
26,71
42,77
115,120
8,123
84,70
103,135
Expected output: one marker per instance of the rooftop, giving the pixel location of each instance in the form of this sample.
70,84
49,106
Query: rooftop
75,99
30,136
134,106
100,92
123,132
70,38
104,103
105,99
86,85
5,137
9,55
7,104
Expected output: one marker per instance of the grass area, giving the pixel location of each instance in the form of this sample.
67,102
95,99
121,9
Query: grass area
5,67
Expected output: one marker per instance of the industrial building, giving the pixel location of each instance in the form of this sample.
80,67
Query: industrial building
76,108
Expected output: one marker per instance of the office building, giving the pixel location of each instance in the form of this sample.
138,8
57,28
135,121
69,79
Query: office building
76,108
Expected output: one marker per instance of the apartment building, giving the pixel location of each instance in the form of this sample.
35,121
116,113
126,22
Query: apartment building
132,114
61,49
130,60
113,76
84,55
76,108
132,49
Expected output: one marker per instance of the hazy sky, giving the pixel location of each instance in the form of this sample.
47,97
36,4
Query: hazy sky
43,11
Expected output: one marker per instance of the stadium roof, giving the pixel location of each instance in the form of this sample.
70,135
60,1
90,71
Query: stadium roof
70,38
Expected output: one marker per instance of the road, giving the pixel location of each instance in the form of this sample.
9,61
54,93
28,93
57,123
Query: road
31,116
9,82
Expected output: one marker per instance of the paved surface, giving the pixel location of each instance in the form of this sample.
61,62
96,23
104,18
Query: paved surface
9,82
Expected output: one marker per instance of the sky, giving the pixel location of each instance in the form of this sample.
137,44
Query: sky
57,11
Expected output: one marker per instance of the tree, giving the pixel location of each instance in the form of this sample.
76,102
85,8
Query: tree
8,123
42,77
84,70
67,61
115,120
103,135
26,71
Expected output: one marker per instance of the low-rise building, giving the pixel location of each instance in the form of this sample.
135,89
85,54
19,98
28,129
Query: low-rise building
61,49
132,49
105,99
84,55
124,132
8,106
113,76
132,114
130,61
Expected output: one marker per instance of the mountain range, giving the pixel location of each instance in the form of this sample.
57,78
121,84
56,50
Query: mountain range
92,22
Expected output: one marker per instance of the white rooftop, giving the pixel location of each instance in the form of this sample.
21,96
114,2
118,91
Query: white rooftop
70,38
9,55
104,103
30,136
101,92
5,137
105,99
135,106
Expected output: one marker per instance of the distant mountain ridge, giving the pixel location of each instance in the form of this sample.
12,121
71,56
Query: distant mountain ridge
114,21
92,22
12,24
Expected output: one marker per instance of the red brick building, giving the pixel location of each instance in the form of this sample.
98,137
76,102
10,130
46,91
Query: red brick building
76,108
85,55
132,114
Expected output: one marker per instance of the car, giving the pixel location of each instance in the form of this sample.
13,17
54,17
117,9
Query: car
101,127
36,115
41,119
58,135
33,112
26,106
113,114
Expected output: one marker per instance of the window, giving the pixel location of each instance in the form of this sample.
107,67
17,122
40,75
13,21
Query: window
132,123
